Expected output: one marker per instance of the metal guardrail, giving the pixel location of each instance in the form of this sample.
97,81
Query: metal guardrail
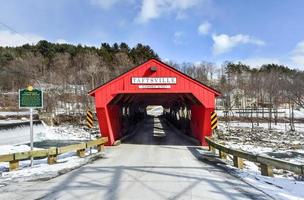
51,153
266,163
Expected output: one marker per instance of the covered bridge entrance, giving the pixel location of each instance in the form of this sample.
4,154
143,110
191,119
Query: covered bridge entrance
122,102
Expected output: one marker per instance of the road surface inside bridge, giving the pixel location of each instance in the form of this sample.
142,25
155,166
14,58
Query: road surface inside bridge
155,163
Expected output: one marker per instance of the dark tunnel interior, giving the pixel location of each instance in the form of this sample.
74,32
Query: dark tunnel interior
133,108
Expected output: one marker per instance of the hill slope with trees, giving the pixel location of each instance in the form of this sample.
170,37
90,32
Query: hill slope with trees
66,72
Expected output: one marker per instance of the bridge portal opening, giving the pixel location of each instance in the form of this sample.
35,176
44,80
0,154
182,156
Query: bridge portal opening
173,108
126,100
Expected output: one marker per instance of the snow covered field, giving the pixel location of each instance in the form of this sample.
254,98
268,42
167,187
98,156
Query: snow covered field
298,113
241,135
279,142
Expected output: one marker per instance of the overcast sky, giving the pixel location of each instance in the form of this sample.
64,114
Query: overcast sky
253,32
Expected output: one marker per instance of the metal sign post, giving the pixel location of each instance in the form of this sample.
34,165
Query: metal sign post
32,134
31,98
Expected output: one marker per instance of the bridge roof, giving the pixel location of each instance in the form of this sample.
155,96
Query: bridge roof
162,64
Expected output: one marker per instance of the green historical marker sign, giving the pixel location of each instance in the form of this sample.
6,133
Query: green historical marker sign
30,98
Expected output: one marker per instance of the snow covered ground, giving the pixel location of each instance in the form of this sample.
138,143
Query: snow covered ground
14,140
21,135
280,188
20,113
13,121
41,170
278,138
299,127
298,113
278,142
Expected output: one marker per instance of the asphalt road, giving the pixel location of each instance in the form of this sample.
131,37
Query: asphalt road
156,163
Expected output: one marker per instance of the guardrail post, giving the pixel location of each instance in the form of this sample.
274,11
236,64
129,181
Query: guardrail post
13,165
238,162
222,155
81,153
100,148
52,157
212,149
266,170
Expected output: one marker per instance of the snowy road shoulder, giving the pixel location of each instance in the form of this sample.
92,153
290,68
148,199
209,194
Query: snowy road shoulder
16,140
43,171
276,187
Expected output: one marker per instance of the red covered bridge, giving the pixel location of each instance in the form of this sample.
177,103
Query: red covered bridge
122,102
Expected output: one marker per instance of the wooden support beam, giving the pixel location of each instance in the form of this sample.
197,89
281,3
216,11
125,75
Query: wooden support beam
266,170
222,155
212,149
72,147
13,165
238,162
81,153
97,142
6,158
52,159
100,148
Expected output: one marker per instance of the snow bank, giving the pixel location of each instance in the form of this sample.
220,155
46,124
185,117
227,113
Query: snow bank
65,133
8,149
21,135
20,113
278,142
276,187
41,170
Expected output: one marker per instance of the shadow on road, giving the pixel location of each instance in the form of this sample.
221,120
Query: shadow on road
108,184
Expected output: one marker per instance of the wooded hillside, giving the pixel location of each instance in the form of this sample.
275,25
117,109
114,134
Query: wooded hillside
67,72
63,64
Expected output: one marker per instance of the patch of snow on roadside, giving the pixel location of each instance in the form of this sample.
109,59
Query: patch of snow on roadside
65,133
278,188
8,149
249,148
41,170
